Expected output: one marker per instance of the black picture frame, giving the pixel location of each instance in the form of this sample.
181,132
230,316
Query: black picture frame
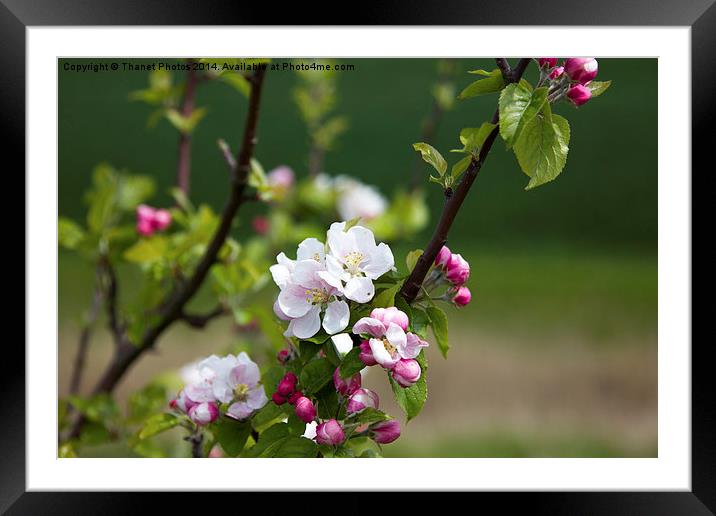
700,15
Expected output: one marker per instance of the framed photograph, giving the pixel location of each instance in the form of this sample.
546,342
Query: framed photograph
412,244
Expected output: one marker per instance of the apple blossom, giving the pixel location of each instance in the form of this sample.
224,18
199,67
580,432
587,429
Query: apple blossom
305,410
346,387
406,372
391,315
360,399
388,343
356,260
281,178
366,354
151,219
182,402
443,257
458,270
579,94
557,72
310,432
330,432
581,69
462,297
356,199
386,431
204,413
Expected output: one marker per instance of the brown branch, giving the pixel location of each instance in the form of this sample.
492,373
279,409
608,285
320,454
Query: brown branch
172,309
85,334
453,202
201,320
505,68
184,158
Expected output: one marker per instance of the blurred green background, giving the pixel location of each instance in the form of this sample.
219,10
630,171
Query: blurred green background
557,353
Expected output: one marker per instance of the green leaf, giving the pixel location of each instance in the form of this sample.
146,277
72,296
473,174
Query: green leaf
460,167
316,374
431,155
518,106
318,338
147,250
157,424
69,233
472,138
439,324
386,298
237,81
296,447
413,256
327,402
598,87
411,399
368,416
331,353
268,415
402,305
100,408
185,124
542,147
351,363
492,83
231,435
419,322
269,441
147,401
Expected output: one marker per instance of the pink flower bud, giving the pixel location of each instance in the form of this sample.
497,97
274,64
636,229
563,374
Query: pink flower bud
281,177
285,387
557,72
216,452
581,69
204,413
330,433
391,315
283,356
366,354
182,402
579,94
360,399
291,377
305,410
162,219
346,387
145,228
260,224
458,270
443,257
547,62
462,297
293,398
406,372
278,399
386,432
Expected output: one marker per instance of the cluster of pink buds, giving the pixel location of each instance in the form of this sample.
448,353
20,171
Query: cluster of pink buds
286,391
285,355
151,219
389,344
457,271
574,75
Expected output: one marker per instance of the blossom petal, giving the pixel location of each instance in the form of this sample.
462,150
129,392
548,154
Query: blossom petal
280,274
330,279
279,313
339,242
412,347
364,239
336,317
307,326
343,343
239,410
381,261
256,398
199,393
359,289
245,374
222,390
396,336
381,355
305,274
293,301
370,326
311,249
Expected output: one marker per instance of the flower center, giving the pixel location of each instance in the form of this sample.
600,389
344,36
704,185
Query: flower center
389,347
352,261
317,257
316,296
241,392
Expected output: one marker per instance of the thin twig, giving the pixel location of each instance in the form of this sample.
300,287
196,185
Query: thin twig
85,334
453,202
184,148
172,309
201,320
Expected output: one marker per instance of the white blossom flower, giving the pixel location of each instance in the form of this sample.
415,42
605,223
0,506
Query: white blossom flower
356,260
306,296
356,199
